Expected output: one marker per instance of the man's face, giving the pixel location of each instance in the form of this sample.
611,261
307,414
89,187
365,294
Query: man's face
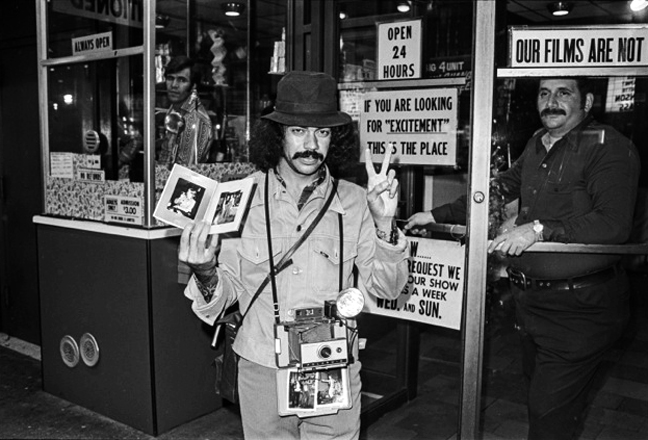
560,105
178,85
305,149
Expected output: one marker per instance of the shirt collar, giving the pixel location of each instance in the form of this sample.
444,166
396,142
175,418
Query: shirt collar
571,138
309,189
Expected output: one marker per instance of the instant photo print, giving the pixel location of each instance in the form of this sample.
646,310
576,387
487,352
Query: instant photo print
189,196
308,393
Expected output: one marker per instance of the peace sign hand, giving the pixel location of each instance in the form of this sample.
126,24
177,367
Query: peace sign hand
382,191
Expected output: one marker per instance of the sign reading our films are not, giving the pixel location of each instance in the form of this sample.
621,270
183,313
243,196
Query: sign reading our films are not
600,47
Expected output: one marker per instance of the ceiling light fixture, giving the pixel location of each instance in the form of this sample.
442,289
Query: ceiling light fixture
161,21
560,9
233,9
403,6
638,5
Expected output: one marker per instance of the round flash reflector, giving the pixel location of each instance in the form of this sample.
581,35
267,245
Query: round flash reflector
350,302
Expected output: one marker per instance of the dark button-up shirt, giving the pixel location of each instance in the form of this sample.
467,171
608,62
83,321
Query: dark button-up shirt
583,191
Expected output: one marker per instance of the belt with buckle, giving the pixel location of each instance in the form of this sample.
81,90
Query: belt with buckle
524,282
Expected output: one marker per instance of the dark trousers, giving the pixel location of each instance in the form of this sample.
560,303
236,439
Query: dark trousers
565,334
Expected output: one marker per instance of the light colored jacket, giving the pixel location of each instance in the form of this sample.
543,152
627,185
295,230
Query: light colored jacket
243,262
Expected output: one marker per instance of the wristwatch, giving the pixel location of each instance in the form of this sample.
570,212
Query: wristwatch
538,228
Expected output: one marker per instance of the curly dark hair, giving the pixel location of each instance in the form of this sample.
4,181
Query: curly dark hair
267,146
181,62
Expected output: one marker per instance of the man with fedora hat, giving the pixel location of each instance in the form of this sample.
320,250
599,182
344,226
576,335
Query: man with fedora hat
299,150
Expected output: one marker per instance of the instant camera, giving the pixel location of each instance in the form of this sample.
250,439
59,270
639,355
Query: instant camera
315,340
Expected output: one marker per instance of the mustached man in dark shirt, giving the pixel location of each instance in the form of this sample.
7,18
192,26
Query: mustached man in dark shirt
576,182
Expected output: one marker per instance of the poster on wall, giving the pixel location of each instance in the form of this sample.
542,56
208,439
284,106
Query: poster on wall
420,126
434,290
620,95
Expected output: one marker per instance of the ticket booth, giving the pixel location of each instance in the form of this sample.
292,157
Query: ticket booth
118,336
445,84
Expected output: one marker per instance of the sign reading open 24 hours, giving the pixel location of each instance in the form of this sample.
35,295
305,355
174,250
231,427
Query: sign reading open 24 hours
420,126
399,50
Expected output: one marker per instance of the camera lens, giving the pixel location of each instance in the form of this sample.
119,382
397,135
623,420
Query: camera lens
325,352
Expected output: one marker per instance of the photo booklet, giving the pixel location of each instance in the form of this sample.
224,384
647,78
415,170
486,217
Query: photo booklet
189,196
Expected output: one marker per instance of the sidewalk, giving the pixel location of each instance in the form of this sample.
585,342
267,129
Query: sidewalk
618,409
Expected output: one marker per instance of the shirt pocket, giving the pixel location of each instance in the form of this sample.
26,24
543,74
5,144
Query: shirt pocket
561,196
325,262
255,261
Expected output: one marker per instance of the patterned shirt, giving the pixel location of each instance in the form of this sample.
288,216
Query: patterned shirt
191,144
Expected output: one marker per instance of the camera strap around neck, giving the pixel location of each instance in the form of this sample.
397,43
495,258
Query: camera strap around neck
286,260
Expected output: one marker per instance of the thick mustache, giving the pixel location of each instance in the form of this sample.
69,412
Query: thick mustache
307,154
552,111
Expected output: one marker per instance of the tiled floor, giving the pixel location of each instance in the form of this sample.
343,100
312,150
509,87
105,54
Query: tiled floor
618,408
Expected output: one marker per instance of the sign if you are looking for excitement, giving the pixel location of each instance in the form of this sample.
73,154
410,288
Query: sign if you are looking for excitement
580,47
420,126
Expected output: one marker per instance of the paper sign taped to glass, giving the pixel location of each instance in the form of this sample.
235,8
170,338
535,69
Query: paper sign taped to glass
434,291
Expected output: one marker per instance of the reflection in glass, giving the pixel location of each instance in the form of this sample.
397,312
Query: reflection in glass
72,20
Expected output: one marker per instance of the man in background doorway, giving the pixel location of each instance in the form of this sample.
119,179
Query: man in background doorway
187,127
576,182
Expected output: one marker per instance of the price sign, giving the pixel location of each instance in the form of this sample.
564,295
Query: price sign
121,209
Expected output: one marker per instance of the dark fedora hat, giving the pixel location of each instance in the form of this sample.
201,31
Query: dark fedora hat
307,99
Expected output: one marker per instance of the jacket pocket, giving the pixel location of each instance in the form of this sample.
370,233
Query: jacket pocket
255,261
325,262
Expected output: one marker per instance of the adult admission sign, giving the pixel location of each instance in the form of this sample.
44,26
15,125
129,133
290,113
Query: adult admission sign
419,126
605,46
